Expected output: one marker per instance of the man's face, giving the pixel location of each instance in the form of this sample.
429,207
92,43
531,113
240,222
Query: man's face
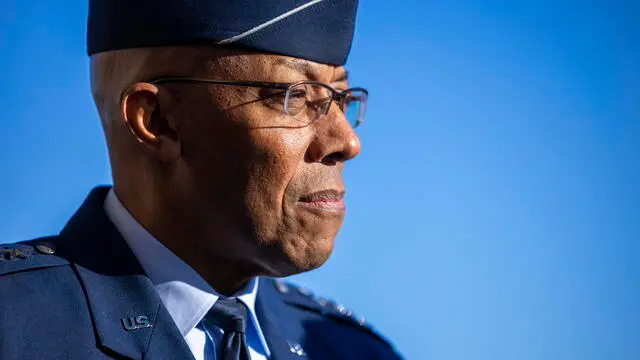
263,186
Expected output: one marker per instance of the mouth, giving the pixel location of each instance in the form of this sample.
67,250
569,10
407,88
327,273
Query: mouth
325,200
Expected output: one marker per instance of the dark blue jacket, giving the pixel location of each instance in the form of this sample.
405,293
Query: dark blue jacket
83,295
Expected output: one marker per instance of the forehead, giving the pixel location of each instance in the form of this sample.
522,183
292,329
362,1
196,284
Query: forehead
250,65
308,68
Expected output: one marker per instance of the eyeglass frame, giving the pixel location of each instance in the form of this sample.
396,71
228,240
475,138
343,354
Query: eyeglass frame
336,96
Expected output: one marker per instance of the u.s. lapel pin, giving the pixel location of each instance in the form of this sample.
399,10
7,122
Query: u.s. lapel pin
296,348
136,322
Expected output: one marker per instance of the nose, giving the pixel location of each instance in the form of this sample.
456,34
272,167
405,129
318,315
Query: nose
335,141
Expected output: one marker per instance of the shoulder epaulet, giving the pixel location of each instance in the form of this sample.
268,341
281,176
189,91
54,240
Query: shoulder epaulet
29,255
303,298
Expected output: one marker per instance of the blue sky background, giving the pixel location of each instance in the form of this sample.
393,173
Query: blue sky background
494,212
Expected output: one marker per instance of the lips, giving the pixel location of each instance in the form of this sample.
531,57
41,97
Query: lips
330,200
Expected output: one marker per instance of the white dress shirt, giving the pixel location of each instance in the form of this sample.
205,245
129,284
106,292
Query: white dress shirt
183,291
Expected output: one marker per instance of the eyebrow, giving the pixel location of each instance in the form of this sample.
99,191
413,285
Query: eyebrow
343,77
301,66
309,70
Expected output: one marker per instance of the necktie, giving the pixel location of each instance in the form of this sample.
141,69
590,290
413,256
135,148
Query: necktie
230,315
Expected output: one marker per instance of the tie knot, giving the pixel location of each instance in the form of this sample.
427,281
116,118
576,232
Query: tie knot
228,314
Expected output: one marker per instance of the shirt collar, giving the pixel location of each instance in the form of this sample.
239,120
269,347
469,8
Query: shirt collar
185,294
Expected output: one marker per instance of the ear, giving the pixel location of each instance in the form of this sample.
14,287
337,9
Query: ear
141,113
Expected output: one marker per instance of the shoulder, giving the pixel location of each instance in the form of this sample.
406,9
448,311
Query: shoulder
31,255
305,300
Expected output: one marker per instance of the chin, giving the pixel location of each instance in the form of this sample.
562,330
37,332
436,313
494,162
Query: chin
314,259
298,256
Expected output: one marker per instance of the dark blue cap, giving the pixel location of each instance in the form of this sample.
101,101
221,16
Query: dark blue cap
317,30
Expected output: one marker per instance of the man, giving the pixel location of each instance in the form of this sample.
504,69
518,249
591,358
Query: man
228,125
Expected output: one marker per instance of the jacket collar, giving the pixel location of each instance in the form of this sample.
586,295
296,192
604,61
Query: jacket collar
128,315
281,327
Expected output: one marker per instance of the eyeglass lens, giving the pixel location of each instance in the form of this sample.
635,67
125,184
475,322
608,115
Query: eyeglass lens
308,102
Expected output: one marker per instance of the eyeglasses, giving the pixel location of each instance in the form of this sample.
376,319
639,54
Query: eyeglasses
306,101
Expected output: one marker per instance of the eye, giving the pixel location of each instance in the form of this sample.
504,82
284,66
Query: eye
275,95
280,96
297,93
297,99
274,98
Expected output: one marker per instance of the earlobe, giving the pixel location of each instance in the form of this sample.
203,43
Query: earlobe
142,116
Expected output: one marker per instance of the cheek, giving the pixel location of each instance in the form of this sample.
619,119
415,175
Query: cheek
294,141
278,157
308,240
218,154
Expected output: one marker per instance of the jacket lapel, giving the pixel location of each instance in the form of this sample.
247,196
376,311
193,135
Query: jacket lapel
128,315
282,332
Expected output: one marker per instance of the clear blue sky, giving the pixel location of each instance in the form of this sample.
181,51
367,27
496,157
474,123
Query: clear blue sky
494,212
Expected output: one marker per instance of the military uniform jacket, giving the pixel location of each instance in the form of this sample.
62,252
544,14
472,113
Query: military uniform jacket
83,295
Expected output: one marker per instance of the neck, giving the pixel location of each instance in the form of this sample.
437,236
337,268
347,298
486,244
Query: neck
215,258
224,275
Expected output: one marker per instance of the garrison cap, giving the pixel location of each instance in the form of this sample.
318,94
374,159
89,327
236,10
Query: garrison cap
316,30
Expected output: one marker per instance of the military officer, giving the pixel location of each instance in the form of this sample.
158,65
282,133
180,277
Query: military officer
228,125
